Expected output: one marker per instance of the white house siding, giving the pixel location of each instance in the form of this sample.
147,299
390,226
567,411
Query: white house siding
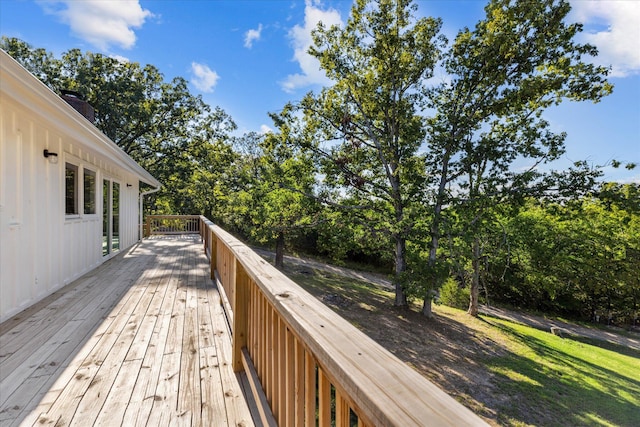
27,233
42,248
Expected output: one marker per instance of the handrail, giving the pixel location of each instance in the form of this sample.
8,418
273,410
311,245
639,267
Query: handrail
311,364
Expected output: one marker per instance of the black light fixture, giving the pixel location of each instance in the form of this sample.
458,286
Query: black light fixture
53,157
129,185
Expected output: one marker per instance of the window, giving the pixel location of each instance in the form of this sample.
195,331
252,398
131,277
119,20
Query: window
110,217
89,191
115,216
71,189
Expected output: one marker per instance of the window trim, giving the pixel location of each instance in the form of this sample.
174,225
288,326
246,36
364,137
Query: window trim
81,168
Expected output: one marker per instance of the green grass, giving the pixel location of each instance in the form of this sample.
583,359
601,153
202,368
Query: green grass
569,382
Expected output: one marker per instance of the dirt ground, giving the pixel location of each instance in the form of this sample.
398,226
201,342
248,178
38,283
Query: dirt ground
453,342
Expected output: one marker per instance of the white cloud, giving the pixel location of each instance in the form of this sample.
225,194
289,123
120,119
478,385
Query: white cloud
204,78
101,22
301,39
613,26
120,58
252,36
264,129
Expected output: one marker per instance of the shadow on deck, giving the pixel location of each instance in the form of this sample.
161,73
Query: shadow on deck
141,340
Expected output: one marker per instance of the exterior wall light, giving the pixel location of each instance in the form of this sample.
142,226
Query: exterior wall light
129,185
53,157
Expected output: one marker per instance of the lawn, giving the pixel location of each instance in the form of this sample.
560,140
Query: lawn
507,373
568,381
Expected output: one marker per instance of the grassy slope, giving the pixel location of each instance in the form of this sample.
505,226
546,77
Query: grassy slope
508,373
569,382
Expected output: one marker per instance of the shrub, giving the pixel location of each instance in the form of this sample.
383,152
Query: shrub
454,295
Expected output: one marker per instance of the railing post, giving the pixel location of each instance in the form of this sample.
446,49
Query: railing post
214,253
240,316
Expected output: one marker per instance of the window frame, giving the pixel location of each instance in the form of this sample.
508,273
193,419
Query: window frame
107,213
86,202
69,165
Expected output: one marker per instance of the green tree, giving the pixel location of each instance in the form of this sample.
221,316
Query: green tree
519,60
366,125
622,203
271,203
539,243
37,61
578,257
202,174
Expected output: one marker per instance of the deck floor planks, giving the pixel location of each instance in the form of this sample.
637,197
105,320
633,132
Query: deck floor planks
165,401
144,391
40,313
119,399
236,414
190,361
109,367
27,335
84,350
86,377
213,405
74,351
91,312
107,374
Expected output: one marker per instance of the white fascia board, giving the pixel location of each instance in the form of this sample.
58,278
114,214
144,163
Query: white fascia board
25,89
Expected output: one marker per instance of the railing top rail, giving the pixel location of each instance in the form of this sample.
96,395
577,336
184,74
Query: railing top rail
382,387
174,216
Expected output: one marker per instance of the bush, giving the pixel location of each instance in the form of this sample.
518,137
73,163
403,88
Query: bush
453,295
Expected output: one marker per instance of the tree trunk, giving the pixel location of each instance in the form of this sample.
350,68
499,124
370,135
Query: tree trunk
475,282
401,266
280,251
428,297
435,235
426,309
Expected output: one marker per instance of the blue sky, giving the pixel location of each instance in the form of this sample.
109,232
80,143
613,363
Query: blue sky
249,57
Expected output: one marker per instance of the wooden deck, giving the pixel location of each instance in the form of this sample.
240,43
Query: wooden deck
142,340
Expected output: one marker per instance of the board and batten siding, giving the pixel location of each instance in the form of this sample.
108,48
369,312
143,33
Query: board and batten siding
41,248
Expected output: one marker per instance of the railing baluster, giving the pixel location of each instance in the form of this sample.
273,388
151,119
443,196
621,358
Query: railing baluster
273,323
343,412
324,399
282,372
172,224
240,315
298,391
310,390
268,385
290,366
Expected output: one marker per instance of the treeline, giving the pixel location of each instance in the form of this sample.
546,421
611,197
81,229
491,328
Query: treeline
578,258
448,184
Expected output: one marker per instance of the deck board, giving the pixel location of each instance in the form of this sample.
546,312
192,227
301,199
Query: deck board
139,341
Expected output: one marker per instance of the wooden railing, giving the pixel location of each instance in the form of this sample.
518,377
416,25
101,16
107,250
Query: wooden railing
307,365
171,224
